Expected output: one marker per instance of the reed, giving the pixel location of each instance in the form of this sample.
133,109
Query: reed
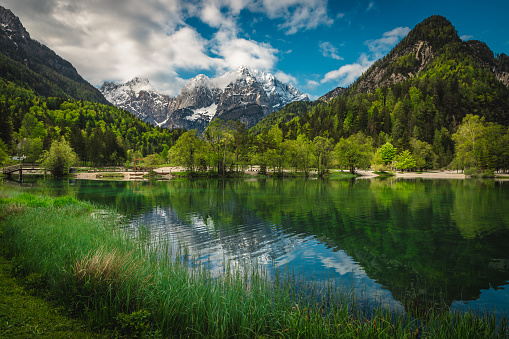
125,285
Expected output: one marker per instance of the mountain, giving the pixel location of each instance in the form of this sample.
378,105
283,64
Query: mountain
416,52
247,94
138,97
419,92
26,62
336,92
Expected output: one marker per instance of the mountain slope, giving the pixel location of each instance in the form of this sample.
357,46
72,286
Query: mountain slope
247,95
432,37
29,63
421,90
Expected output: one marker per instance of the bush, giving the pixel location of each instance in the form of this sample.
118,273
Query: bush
59,158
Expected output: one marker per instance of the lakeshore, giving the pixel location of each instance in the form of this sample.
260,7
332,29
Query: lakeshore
168,172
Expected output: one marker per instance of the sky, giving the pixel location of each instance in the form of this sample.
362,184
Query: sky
317,45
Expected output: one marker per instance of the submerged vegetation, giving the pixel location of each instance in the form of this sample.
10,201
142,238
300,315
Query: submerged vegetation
83,260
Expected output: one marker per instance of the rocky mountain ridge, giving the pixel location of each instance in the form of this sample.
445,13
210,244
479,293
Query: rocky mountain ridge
417,51
246,94
28,62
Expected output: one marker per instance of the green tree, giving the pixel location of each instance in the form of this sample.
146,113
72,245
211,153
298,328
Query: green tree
323,150
354,151
187,151
276,155
4,157
404,160
219,138
152,160
32,148
387,153
467,141
423,153
241,141
59,158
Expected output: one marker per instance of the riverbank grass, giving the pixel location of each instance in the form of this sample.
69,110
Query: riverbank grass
85,262
24,314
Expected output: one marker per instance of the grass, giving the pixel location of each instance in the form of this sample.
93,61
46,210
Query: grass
25,315
126,286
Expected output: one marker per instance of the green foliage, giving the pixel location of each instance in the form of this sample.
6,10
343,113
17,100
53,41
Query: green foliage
219,137
404,160
354,151
480,146
300,154
153,160
387,153
423,154
466,140
99,134
283,116
4,157
134,325
405,64
59,158
323,151
188,151
31,148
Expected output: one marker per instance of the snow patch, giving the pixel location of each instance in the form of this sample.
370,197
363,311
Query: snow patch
162,123
206,113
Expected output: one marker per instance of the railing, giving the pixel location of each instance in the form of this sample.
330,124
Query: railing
19,167
11,169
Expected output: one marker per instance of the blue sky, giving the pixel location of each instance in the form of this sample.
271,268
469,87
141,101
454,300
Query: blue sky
315,44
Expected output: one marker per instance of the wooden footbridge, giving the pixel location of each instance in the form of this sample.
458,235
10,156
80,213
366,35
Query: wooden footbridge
20,168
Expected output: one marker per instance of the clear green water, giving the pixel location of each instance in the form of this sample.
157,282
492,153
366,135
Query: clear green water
388,239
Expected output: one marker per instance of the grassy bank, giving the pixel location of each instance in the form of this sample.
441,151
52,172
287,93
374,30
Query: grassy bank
25,314
122,285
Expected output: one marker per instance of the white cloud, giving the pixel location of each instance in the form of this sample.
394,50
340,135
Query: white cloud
235,52
297,14
389,39
329,51
466,37
370,6
286,78
311,85
347,74
115,40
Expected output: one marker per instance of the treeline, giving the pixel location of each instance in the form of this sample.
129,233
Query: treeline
225,147
99,134
428,108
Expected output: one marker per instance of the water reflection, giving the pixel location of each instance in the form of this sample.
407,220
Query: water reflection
388,238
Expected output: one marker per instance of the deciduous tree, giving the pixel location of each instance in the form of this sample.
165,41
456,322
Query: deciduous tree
59,158
354,151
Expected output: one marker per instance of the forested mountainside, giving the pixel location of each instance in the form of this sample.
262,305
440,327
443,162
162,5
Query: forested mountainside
421,90
29,63
43,98
100,134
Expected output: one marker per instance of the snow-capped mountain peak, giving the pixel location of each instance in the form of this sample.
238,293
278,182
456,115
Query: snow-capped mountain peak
139,84
246,94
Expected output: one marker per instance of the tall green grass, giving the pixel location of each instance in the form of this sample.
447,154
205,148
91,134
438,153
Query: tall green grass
130,286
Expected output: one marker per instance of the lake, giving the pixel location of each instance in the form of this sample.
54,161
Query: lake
391,240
